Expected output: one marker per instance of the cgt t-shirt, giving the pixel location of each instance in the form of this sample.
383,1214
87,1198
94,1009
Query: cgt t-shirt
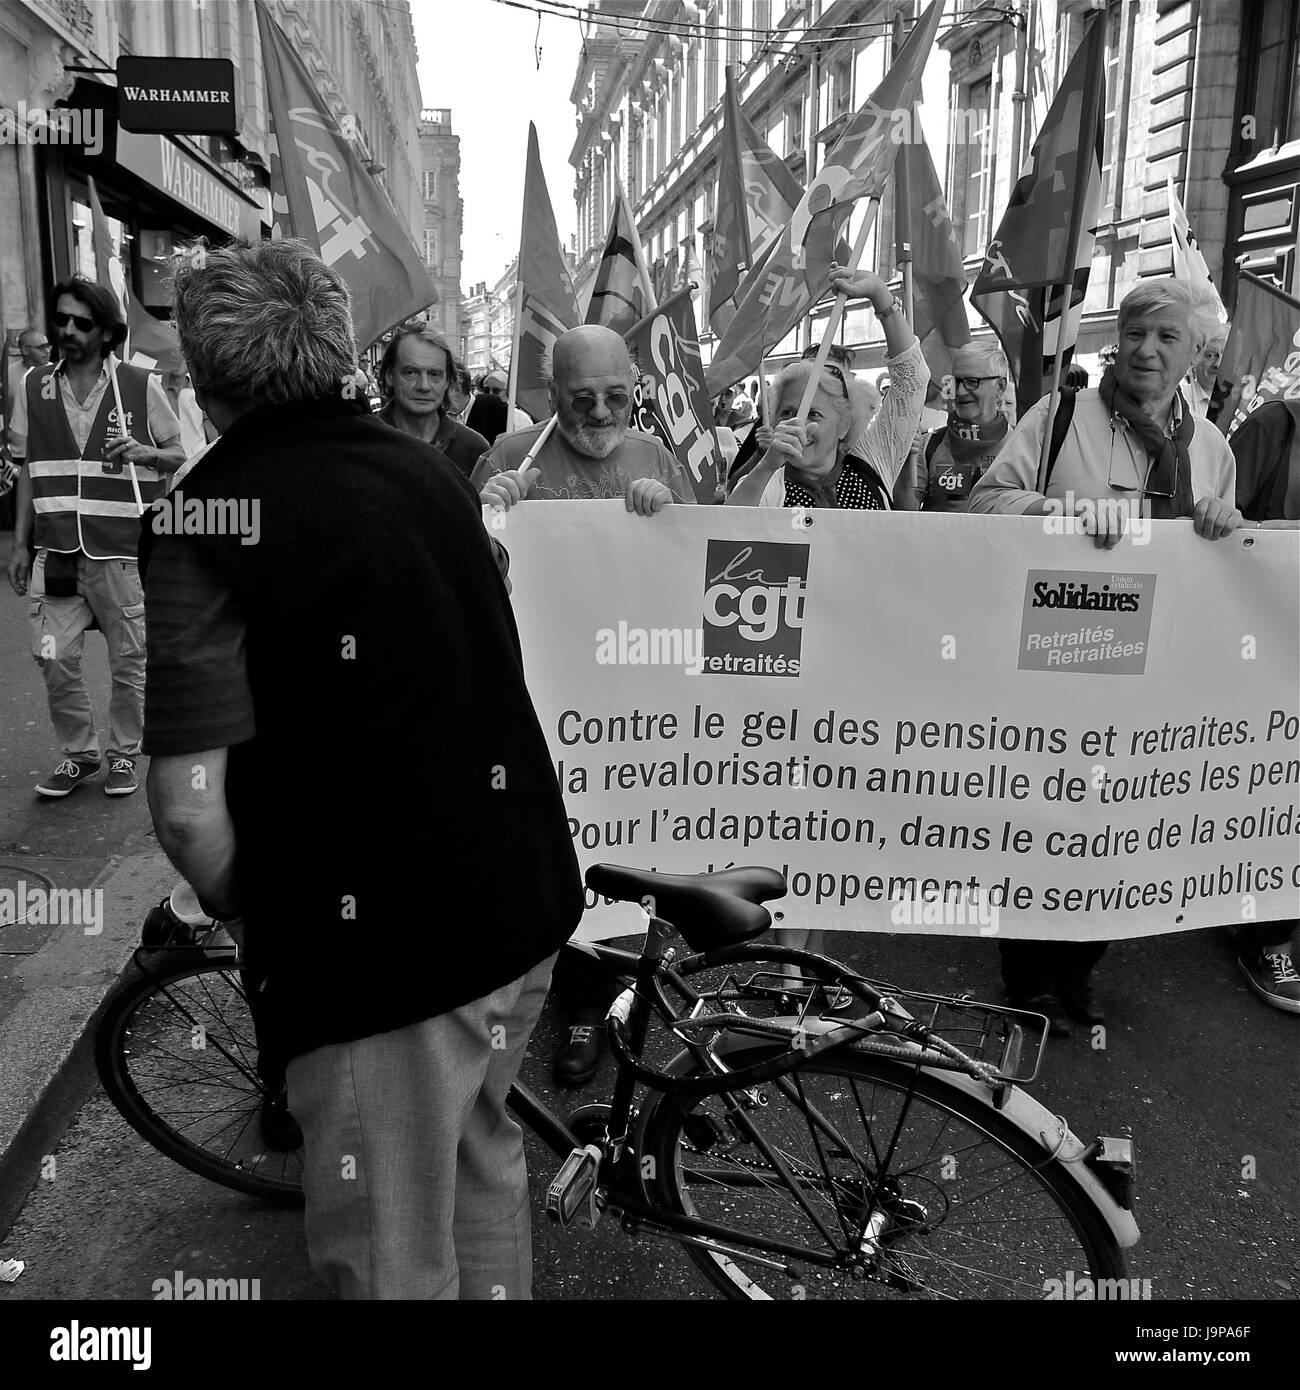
569,475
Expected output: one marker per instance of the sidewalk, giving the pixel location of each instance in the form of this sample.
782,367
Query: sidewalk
46,1038
54,977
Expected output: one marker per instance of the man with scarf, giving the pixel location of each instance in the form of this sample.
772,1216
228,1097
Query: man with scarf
1131,440
955,456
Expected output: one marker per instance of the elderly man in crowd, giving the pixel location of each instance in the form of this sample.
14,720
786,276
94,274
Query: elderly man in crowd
954,457
402,1000
90,475
1199,385
416,375
589,454
1130,442
497,383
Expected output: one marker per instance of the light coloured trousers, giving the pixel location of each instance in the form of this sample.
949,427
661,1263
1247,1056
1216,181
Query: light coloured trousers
414,1177
109,593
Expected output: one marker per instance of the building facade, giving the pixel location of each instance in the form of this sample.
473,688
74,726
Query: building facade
442,220
1199,90
488,313
159,190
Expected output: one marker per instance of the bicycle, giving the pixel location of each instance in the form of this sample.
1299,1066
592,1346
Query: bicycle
810,1136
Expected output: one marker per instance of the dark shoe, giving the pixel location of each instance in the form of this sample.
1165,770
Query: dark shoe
1081,1004
67,777
1272,975
279,1128
121,780
577,1059
1058,1024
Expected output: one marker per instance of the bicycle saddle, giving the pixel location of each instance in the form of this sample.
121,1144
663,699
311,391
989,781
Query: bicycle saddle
709,910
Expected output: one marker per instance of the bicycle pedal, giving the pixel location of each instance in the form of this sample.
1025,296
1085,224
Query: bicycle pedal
571,1197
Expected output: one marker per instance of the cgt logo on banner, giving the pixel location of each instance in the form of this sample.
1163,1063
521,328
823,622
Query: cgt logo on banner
754,594
1085,623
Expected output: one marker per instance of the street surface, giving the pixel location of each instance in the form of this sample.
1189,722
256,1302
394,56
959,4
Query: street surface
1203,1074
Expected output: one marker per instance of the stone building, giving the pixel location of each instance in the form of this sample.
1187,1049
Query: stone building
1201,90
160,189
442,219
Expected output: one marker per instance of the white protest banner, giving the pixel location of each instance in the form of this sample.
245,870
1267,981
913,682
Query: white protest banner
920,718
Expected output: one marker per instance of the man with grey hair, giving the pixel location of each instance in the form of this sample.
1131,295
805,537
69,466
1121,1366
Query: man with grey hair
366,616
1129,443
590,453
953,458
1199,385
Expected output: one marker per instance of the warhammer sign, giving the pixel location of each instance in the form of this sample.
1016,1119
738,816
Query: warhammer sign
176,96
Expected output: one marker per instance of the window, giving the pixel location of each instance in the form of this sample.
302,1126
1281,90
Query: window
692,88
430,185
841,86
794,126
1111,101
675,110
1271,106
431,247
711,61
979,149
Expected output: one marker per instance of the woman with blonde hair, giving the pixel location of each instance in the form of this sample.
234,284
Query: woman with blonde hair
844,457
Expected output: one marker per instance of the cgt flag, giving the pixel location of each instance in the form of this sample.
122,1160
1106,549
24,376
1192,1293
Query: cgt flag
1020,287
1264,344
1189,264
149,343
757,196
777,294
321,192
618,296
547,305
938,276
671,401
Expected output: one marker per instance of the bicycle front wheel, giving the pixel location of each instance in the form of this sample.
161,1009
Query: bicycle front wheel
865,1178
177,1055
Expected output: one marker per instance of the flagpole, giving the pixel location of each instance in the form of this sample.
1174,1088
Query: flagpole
902,191
1084,163
833,322
514,350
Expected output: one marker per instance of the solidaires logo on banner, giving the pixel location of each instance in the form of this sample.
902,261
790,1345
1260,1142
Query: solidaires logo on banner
754,594
1086,623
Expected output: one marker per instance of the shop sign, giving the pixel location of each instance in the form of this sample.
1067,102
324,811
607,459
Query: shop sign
166,166
176,96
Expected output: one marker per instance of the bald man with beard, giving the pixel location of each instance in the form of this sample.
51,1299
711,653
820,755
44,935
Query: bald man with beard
591,453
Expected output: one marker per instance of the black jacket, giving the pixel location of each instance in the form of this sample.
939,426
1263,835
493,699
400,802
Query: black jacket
402,843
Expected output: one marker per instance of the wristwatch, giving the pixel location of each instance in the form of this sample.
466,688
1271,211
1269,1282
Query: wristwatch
893,307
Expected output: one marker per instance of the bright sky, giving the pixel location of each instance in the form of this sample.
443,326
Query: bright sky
477,58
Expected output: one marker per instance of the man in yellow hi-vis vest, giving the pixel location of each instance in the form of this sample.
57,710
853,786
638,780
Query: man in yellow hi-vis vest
99,438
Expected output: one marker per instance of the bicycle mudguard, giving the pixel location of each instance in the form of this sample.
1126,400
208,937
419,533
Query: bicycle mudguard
1048,1132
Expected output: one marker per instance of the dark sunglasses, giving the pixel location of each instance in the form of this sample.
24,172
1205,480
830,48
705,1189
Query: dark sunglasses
83,325
839,354
835,372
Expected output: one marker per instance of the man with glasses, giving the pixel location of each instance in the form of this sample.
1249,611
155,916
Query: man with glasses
90,475
1131,443
497,383
589,454
954,457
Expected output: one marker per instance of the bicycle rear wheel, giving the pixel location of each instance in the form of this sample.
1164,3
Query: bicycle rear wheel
950,1199
177,1055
